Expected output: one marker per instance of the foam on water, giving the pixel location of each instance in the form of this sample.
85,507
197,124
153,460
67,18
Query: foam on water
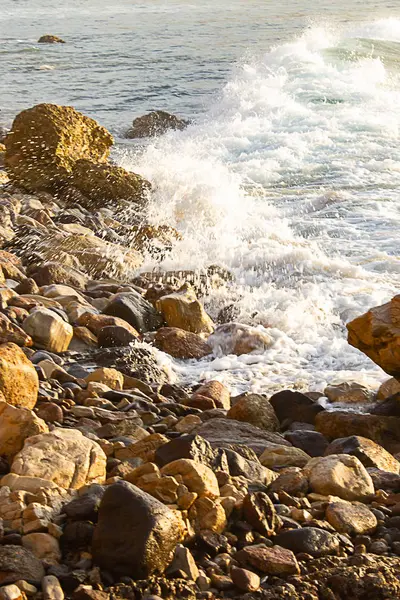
290,181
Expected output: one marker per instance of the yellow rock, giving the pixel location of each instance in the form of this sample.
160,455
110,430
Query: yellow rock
183,310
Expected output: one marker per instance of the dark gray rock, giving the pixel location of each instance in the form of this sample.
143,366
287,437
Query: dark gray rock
293,406
241,466
19,563
134,309
136,535
312,442
189,446
86,506
114,336
155,123
310,540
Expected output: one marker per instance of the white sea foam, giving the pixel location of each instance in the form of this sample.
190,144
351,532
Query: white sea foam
291,182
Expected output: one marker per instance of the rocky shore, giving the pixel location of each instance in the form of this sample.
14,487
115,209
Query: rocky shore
117,482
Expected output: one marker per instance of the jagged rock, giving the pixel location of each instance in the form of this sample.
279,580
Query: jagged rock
50,39
310,540
198,478
367,451
354,519
340,475
45,142
184,311
206,514
213,390
236,338
135,310
272,561
181,344
17,424
48,330
155,123
136,535
235,435
9,332
259,511
19,563
104,184
18,379
293,406
256,410
63,456
189,446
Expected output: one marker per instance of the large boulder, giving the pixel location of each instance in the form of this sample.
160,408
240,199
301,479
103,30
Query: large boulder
18,563
104,184
254,409
377,334
63,456
155,123
45,142
367,451
292,406
383,430
340,475
181,344
19,381
136,535
183,310
239,436
350,518
198,478
48,330
17,424
135,310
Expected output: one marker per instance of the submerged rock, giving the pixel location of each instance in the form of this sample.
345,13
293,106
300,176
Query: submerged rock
136,535
236,338
50,39
155,123
181,344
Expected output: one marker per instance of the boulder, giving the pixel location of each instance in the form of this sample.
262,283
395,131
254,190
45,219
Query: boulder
390,407
353,519
238,436
48,330
312,442
292,481
184,311
284,456
9,332
206,514
181,344
63,456
309,540
104,184
189,446
95,323
45,142
115,336
17,563
215,391
18,378
155,123
136,535
272,561
198,478
293,406
50,39
17,424
49,273
245,580
349,393
256,410
377,334
383,430
253,470
367,451
110,377
236,338
44,546
388,388
339,475
135,310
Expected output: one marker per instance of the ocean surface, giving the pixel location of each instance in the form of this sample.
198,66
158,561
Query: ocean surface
289,174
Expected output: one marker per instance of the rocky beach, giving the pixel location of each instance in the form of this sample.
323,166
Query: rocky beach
118,480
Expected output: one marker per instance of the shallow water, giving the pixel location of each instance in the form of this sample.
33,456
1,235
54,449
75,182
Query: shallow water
289,174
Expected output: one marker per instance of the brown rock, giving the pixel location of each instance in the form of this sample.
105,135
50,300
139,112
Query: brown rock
236,338
155,123
12,333
216,391
17,424
181,344
145,449
256,410
48,330
45,142
259,511
272,561
377,334
388,388
50,273
349,393
293,406
284,456
245,580
206,514
95,323
50,39
50,412
110,377
350,518
184,311
18,379
367,451
197,477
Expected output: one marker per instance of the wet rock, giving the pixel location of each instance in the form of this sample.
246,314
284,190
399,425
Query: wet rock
104,184
367,451
235,435
284,456
96,323
50,39
351,518
19,563
256,410
18,379
63,456
135,310
181,344
155,123
349,392
272,561
48,330
388,388
340,475
197,477
236,338
293,406
259,511
383,430
17,424
184,311
45,141
310,540
312,442
136,534
49,273
115,336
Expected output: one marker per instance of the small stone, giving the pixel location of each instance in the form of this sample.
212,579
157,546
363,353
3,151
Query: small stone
184,561
52,589
50,39
184,311
215,391
272,561
284,456
260,513
16,425
11,592
18,378
310,540
245,580
256,410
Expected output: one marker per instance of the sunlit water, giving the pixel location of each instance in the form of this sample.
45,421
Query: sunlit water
289,174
